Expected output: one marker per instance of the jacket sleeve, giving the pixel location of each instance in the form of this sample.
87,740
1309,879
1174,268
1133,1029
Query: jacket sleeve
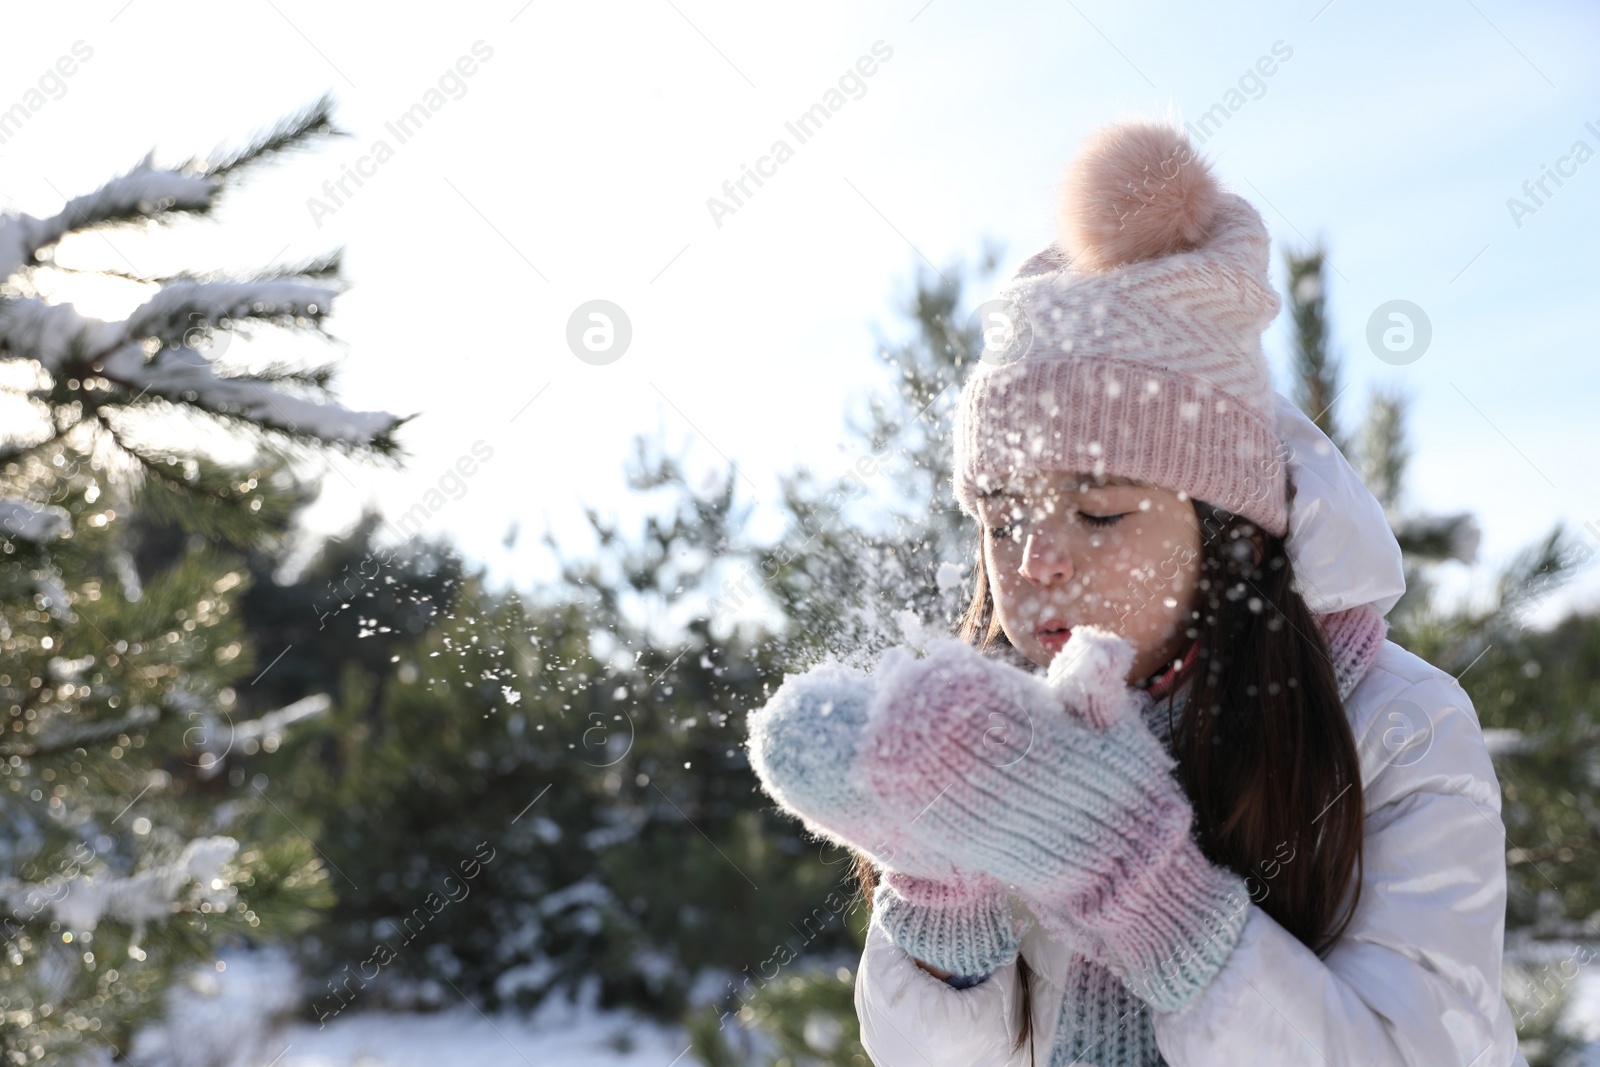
909,1018
1415,979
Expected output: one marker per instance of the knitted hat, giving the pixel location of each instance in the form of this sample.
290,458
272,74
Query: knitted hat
1131,345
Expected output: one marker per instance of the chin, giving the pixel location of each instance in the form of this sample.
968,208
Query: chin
1039,655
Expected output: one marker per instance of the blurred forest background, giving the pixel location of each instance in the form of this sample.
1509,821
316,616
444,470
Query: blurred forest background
420,790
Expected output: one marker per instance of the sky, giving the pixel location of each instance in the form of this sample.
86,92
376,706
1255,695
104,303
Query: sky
573,149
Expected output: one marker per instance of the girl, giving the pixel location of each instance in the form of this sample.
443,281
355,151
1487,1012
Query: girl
1174,799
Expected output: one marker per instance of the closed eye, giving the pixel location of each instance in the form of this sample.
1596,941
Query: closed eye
1100,520
1008,530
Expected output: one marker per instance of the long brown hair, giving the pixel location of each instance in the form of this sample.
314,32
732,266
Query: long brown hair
1264,751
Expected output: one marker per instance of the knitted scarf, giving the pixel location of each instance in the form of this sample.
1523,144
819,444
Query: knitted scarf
1099,1021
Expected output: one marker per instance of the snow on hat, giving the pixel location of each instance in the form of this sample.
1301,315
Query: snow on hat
1132,344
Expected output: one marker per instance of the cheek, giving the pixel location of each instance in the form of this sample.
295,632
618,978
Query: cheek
1003,578
1157,563
1181,574
1189,572
1014,596
1111,558
994,567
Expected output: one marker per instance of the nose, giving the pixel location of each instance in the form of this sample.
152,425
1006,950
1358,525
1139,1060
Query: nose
1045,559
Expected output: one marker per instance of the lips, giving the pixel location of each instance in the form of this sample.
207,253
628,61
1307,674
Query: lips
1053,634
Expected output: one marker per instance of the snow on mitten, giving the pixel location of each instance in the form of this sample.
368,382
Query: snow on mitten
803,745
1057,787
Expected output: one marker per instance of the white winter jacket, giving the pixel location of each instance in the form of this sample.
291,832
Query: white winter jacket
1414,980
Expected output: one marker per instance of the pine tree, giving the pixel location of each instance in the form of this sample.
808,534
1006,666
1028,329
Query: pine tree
1380,450
1315,366
120,683
585,736
1533,691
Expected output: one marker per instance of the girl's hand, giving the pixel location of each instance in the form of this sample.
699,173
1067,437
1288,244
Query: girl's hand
964,926
1056,786
804,746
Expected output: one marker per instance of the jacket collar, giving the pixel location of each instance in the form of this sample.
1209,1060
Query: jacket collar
1344,552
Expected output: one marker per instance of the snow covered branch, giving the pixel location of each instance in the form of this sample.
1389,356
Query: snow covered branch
155,355
52,334
32,522
146,191
183,375
70,734
151,192
181,306
80,902
56,336
217,741
315,120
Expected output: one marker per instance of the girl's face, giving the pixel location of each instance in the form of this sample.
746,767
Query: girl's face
1064,549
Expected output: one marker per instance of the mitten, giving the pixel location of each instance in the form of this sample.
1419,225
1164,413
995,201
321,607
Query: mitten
803,745
1099,1021
963,925
1057,787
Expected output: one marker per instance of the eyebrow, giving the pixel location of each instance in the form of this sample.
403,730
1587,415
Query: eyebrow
1112,482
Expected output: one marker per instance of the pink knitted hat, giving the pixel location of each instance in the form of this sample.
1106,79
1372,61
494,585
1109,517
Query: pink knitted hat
1131,345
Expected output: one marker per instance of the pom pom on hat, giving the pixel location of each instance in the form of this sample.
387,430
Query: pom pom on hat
1136,190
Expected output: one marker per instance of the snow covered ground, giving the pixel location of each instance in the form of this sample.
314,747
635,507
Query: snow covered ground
464,1036
246,1015
241,1017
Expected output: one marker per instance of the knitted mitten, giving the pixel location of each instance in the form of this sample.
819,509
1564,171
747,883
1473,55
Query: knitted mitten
1057,787
963,925
1100,1022
802,745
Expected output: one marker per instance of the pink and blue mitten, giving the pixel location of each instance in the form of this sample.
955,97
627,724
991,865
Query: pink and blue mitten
804,746
1056,786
